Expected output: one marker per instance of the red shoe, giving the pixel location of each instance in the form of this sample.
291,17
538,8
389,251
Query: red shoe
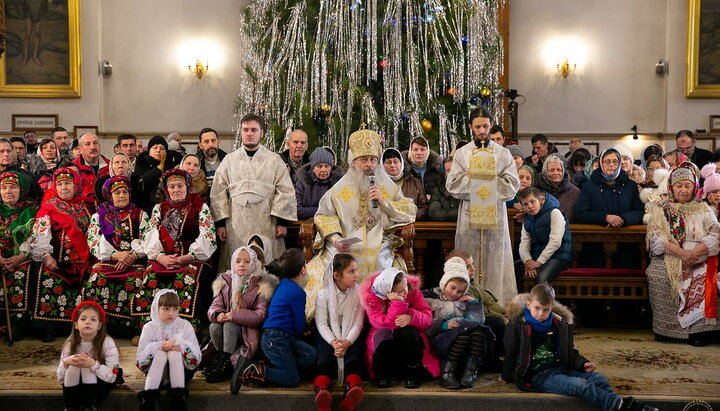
353,393
323,398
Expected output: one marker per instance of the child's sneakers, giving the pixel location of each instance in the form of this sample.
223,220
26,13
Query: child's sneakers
631,404
254,373
353,395
323,398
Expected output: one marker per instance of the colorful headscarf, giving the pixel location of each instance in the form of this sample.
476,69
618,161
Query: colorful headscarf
240,282
589,165
108,213
684,171
614,175
21,225
176,174
67,173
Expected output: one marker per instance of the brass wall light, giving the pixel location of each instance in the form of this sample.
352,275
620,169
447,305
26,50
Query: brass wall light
565,68
199,70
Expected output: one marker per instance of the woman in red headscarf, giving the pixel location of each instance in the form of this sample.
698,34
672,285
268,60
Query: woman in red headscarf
59,241
180,240
114,238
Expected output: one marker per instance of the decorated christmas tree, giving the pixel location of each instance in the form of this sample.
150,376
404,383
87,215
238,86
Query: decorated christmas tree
401,67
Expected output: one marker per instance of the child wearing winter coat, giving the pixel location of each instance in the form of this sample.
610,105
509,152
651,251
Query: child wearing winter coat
89,361
285,323
236,314
339,317
457,332
545,245
493,310
540,356
168,351
398,315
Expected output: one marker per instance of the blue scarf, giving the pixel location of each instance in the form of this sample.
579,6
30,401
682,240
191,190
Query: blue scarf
537,325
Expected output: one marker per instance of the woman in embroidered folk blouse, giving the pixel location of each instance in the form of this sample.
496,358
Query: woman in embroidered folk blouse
59,241
180,240
683,239
114,238
17,215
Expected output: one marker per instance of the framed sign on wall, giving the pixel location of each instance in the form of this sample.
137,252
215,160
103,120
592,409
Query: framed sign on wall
35,122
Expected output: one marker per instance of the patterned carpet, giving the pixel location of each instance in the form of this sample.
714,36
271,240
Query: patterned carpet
634,363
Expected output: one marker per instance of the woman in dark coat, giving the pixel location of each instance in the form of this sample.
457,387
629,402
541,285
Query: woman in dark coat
150,167
314,180
555,180
410,186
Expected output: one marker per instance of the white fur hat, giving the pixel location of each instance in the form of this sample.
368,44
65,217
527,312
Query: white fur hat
454,268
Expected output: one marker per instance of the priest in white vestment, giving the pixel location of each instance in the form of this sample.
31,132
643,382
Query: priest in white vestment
252,194
346,211
483,176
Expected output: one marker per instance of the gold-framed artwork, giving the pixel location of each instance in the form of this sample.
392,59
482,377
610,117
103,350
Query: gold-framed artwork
80,130
702,73
715,124
42,56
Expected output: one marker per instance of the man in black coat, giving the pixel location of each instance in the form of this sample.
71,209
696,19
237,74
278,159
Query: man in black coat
685,141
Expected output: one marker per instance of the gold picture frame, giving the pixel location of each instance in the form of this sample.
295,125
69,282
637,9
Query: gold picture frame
42,59
702,77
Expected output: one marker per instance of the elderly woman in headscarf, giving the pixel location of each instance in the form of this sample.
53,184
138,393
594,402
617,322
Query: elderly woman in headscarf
180,241
59,241
554,180
528,177
114,239
410,185
17,215
610,198
119,165
683,237
313,180
191,164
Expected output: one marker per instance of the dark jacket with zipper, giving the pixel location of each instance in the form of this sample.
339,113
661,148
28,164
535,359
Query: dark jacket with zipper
518,343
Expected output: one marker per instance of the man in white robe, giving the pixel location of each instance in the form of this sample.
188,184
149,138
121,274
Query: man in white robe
483,176
251,194
346,211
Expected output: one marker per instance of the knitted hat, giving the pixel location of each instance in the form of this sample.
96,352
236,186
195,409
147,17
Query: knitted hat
320,155
515,151
625,152
712,179
454,268
157,140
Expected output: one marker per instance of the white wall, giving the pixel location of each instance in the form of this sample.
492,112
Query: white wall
149,89
616,87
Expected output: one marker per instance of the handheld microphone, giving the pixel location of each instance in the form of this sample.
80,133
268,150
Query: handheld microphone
372,183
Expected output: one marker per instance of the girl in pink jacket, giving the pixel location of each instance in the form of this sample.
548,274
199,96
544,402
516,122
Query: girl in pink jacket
398,315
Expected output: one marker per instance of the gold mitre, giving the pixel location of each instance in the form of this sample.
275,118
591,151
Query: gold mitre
364,142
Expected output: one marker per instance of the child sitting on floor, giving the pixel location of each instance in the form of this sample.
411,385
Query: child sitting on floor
457,332
168,350
284,325
339,318
545,245
89,362
236,314
396,342
540,356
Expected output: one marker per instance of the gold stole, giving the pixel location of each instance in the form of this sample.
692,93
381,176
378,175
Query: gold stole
483,189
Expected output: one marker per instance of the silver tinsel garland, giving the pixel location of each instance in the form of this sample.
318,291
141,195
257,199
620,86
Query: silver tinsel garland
303,58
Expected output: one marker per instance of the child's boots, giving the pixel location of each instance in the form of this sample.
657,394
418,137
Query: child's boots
469,377
447,378
323,398
222,369
71,398
146,399
353,395
178,398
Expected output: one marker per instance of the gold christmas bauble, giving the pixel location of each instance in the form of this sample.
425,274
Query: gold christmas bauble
325,109
485,92
426,125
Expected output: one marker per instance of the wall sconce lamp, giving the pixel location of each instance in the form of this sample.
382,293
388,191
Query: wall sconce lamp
634,130
199,70
565,68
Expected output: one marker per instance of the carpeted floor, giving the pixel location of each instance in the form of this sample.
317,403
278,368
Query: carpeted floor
634,363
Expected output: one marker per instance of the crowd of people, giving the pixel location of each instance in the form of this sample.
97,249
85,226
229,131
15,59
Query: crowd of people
167,246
